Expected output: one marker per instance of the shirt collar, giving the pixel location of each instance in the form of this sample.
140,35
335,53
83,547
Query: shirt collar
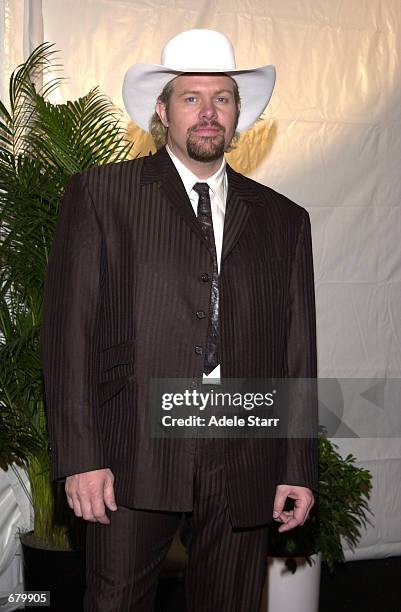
217,182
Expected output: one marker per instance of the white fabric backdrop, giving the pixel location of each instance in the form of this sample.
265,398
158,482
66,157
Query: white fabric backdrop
330,140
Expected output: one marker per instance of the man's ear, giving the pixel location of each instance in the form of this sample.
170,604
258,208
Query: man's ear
162,112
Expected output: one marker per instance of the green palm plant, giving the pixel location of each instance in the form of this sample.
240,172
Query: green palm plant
41,146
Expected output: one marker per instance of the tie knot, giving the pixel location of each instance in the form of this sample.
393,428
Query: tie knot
202,189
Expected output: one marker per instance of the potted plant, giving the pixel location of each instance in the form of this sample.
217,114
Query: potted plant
41,146
339,513
17,438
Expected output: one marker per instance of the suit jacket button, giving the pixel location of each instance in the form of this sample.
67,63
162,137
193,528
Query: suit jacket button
201,314
198,350
205,277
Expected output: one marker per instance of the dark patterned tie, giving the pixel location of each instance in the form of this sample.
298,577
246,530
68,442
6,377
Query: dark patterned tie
205,219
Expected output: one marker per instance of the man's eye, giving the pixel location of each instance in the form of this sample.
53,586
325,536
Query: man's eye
222,99
190,99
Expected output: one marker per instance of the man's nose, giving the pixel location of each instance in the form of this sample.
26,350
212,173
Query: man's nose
208,110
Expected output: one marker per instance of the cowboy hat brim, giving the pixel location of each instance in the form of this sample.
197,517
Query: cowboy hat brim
143,83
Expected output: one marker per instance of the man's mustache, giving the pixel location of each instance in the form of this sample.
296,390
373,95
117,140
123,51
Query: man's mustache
207,124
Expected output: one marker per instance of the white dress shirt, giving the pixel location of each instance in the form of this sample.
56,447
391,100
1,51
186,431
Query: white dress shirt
218,199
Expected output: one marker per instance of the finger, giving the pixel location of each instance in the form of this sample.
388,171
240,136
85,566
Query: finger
104,519
86,508
299,515
109,498
70,502
307,514
302,509
292,520
76,506
99,510
311,504
290,524
279,501
71,495
284,517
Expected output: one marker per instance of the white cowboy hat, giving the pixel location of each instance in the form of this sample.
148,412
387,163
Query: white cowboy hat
196,51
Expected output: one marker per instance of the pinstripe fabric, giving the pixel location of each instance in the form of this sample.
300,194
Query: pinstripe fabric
124,559
226,567
123,287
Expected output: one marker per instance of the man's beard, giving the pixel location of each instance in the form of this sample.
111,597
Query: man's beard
206,148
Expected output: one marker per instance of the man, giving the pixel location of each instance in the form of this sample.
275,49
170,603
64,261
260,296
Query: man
175,266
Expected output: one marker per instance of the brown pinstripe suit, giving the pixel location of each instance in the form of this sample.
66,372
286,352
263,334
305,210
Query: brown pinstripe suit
125,279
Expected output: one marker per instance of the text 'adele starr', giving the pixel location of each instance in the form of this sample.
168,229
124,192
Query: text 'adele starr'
223,421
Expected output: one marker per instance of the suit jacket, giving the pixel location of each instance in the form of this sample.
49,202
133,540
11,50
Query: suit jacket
127,274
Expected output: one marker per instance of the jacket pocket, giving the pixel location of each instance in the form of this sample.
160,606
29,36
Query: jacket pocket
109,390
117,355
116,370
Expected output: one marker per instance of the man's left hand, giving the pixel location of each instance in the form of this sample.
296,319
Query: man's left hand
304,501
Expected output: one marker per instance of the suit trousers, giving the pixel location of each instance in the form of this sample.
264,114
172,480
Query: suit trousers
226,567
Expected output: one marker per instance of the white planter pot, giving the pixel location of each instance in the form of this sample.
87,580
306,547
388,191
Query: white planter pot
297,592
15,516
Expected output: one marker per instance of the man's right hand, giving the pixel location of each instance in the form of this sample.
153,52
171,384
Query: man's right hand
89,492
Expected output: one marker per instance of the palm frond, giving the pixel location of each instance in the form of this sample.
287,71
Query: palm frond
22,92
79,134
41,146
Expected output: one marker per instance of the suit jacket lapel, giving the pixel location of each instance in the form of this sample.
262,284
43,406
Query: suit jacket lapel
160,168
237,211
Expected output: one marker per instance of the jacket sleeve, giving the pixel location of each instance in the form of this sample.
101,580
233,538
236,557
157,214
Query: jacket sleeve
69,334
300,449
